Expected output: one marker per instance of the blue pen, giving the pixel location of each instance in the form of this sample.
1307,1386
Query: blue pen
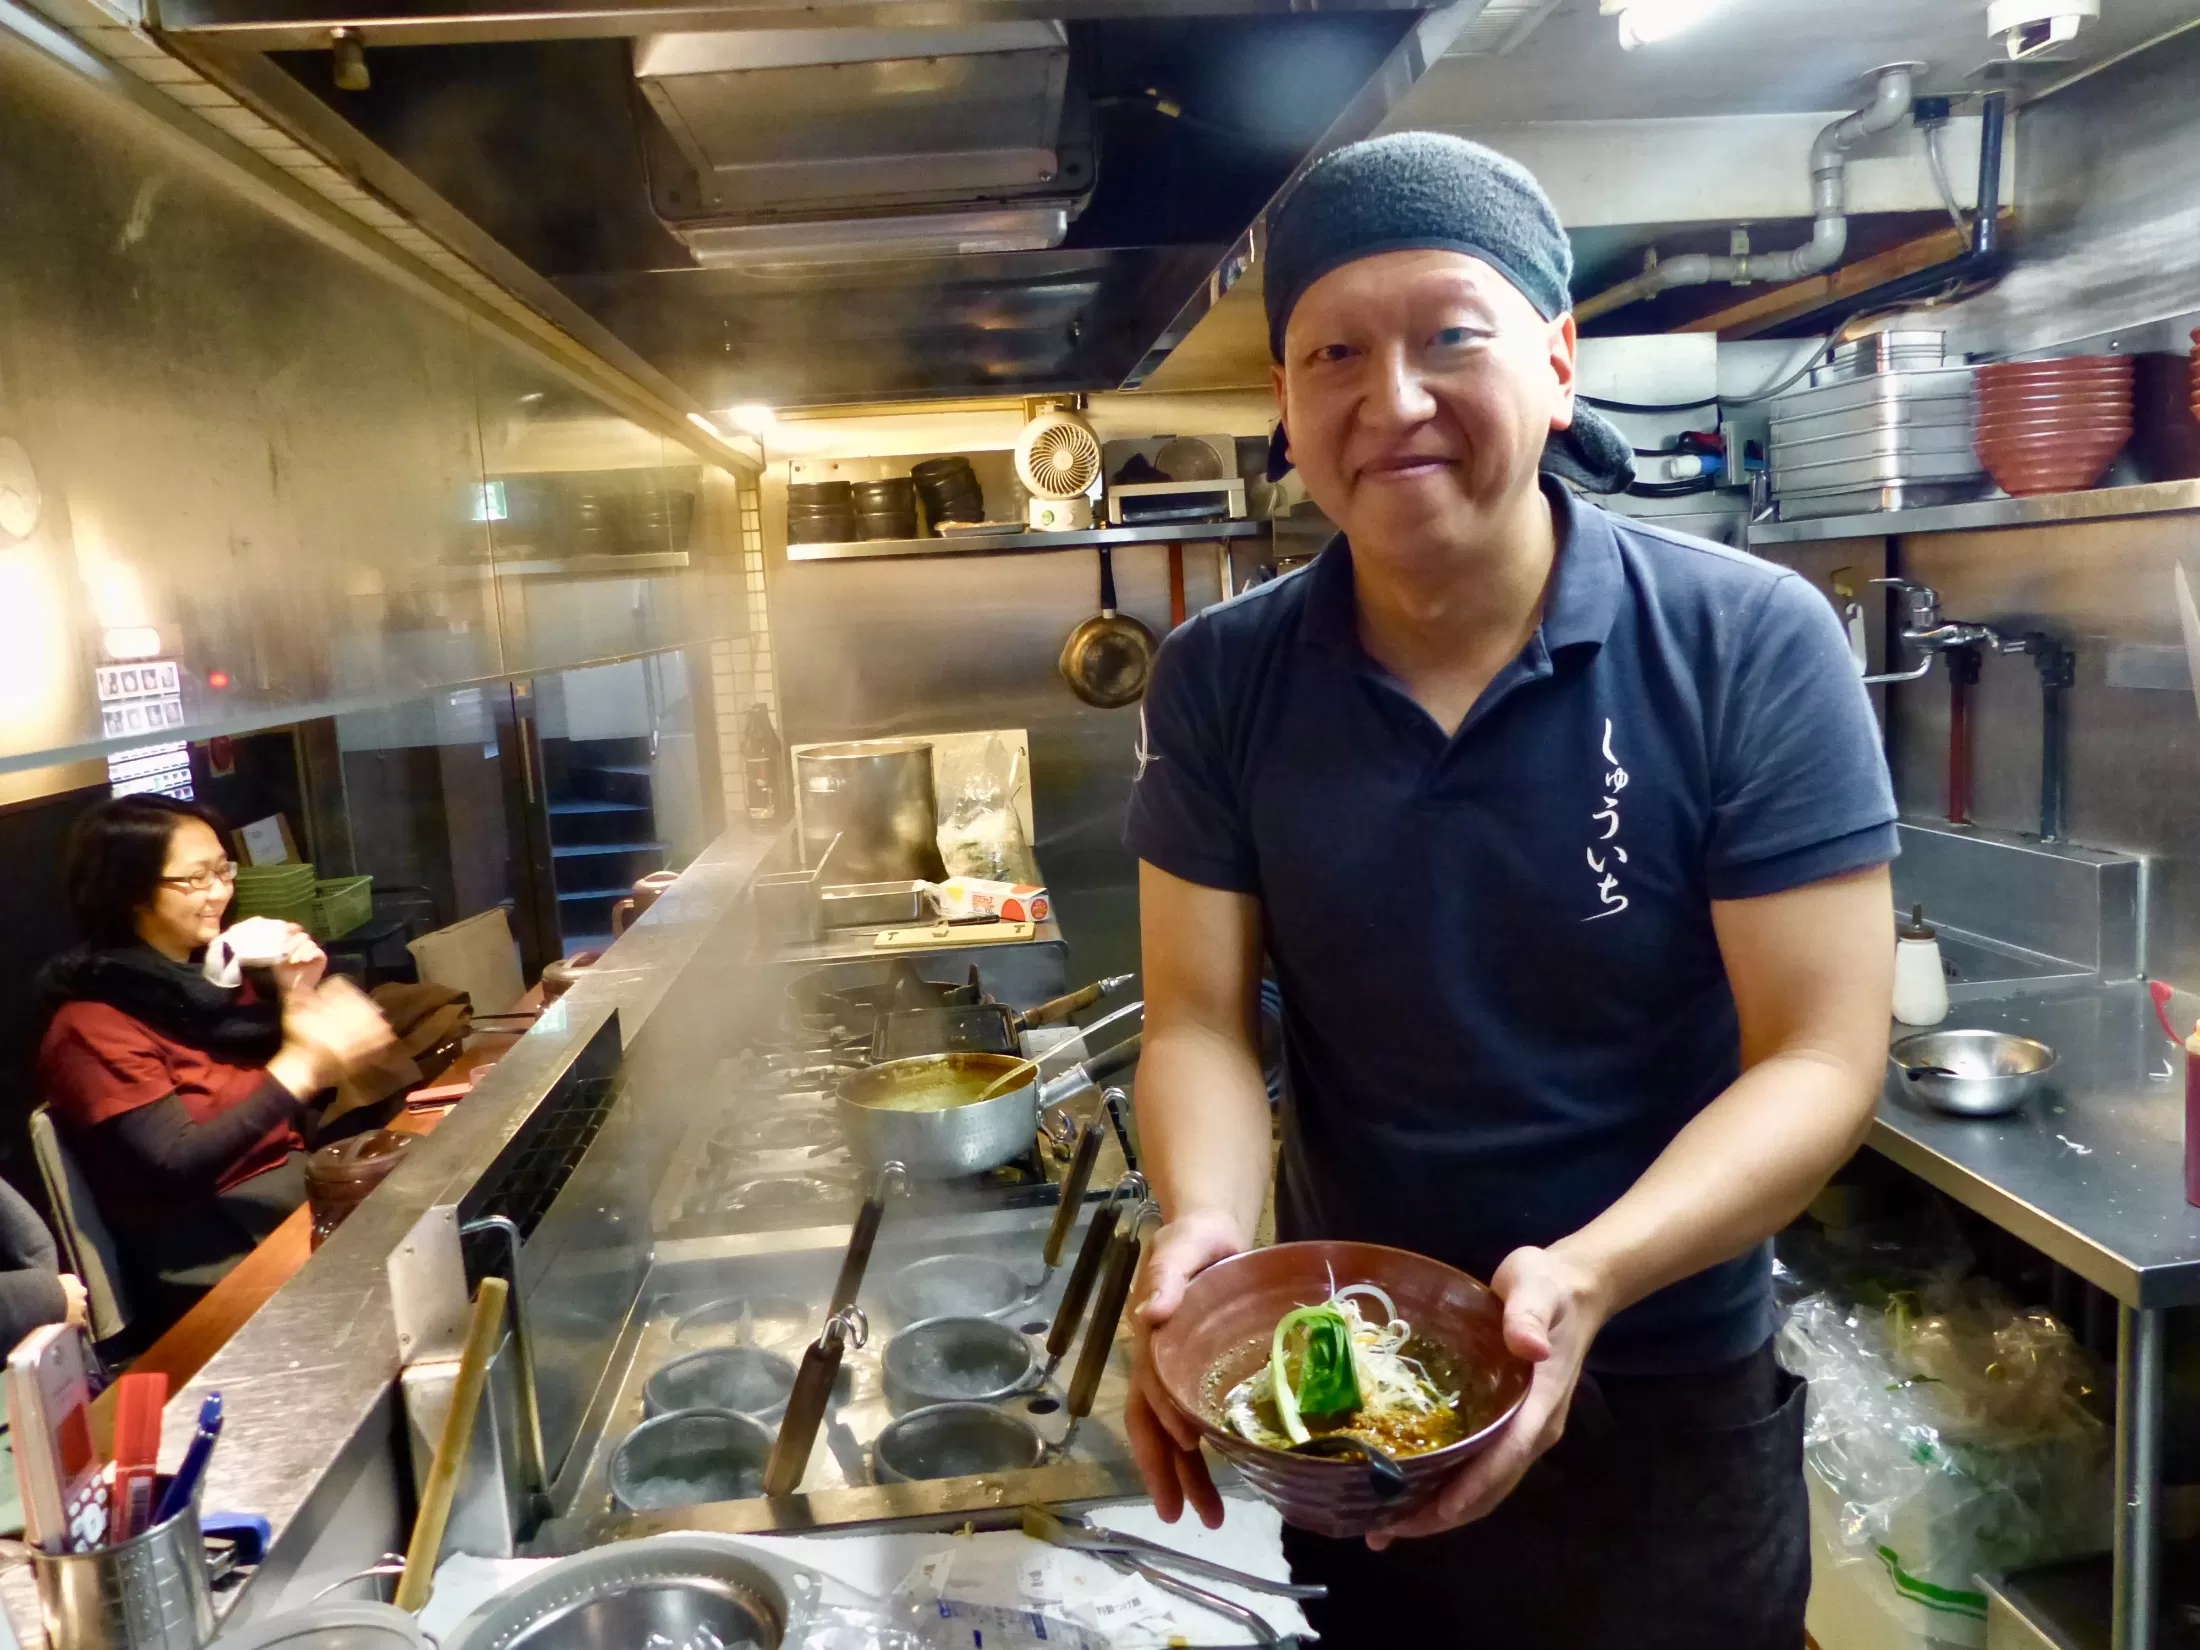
185,1484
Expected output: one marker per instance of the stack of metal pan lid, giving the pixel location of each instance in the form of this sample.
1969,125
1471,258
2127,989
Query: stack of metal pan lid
1883,426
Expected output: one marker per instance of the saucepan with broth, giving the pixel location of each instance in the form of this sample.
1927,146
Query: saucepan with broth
933,1112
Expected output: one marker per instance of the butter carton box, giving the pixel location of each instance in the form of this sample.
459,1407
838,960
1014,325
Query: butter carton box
975,897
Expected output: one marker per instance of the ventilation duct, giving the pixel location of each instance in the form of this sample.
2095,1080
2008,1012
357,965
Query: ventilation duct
1500,27
836,145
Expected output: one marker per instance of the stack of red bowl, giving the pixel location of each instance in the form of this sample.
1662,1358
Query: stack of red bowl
2053,426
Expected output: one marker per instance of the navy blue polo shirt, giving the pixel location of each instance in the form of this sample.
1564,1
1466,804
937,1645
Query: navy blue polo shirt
1502,993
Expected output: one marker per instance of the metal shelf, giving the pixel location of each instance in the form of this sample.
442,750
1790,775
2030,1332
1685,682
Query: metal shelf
964,544
590,567
2068,1606
2155,498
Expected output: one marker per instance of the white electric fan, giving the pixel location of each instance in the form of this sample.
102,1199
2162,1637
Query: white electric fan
1058,461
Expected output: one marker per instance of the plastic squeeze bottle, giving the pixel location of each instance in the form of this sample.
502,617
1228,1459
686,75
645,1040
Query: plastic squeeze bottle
2192,1118
1920,987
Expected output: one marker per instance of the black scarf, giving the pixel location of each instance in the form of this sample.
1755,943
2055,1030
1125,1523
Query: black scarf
172,998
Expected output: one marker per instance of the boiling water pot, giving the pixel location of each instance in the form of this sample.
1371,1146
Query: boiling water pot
877,797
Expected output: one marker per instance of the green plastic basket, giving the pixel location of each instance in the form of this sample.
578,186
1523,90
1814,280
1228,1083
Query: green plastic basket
284,892
340,904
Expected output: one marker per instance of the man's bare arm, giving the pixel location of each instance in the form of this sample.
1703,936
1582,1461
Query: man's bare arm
1202,1137
1202,1103
1812,971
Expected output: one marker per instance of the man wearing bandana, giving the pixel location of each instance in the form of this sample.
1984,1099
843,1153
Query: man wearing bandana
1566,838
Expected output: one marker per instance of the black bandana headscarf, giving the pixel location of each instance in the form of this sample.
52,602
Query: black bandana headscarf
1414,191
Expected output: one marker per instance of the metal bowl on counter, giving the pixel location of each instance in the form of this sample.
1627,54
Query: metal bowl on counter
688,1458
1972,1073
745,1379
688,1589
954,1441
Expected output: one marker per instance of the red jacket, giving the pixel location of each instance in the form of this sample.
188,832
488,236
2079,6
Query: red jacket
96,1062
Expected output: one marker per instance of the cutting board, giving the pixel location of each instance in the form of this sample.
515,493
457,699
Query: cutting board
939,936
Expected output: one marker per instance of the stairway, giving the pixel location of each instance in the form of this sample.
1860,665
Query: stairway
602,831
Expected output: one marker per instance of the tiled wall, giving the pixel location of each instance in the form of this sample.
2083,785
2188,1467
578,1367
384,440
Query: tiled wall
741,669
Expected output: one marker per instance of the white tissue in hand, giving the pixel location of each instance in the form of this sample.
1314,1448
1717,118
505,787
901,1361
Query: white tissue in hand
256,942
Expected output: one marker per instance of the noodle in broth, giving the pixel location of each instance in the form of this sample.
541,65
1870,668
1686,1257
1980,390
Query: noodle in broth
1403,1389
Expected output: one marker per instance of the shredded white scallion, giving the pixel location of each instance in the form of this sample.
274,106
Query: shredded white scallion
1391,1384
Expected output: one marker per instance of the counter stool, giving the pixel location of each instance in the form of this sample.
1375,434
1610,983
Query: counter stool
86,1243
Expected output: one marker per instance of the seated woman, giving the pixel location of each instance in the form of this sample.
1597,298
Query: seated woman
186,1102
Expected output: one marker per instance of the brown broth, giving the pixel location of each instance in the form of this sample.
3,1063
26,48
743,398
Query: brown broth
1396,1436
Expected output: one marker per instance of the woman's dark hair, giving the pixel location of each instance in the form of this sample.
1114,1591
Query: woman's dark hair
115,854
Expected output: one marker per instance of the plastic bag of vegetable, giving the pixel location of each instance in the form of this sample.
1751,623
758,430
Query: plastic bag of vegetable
1956,1437
981,834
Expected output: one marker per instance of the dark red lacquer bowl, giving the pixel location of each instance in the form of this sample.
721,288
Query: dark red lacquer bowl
1223,1331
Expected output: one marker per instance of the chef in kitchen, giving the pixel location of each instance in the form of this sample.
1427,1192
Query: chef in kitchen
1566,837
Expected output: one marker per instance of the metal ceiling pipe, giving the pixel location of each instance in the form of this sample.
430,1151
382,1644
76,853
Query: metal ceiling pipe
1829,230
1980,265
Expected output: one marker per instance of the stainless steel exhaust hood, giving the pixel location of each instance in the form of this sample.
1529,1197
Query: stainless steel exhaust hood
803,204
829,145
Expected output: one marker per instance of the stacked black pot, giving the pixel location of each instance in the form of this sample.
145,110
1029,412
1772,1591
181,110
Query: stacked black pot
821,512
949,488
886,509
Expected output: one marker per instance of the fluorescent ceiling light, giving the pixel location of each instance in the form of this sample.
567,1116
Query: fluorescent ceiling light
1032,228
1646,22
706,426
752,418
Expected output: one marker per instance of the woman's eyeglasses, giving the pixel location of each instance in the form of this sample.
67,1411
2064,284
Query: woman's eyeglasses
202,881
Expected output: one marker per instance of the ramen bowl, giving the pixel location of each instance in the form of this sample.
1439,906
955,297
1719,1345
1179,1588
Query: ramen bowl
1227,1322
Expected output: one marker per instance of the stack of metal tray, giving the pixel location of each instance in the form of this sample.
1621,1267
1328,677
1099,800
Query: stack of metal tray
1883,441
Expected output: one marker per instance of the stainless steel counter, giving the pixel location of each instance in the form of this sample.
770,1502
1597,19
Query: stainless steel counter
2092,1172
308,1383
794,1267
583,1147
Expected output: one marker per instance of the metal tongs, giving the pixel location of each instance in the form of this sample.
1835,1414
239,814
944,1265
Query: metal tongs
1134,1555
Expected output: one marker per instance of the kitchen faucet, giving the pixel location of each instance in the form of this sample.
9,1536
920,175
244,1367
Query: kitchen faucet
1924,628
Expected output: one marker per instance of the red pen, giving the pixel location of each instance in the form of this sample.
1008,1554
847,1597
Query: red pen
139,1400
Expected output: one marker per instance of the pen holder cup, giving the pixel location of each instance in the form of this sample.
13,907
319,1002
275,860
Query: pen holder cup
147,1593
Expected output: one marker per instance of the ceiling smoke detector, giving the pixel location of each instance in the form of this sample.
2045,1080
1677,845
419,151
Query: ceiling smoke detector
2027,28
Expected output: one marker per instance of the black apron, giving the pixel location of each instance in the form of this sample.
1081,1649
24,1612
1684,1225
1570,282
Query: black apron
1672,1515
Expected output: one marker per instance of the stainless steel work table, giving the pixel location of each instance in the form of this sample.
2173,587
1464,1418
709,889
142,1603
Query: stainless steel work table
2091,1174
